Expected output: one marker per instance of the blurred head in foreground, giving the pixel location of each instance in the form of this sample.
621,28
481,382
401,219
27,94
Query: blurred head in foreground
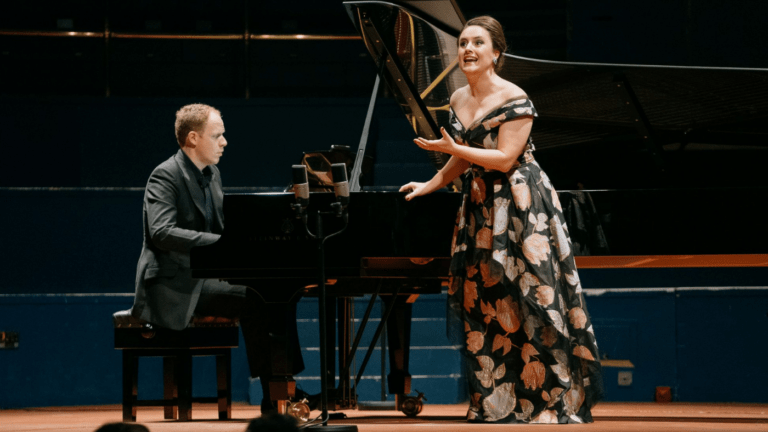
272,423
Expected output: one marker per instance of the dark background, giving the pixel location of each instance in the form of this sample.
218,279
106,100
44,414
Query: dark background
85,112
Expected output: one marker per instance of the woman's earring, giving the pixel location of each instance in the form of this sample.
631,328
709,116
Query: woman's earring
495,60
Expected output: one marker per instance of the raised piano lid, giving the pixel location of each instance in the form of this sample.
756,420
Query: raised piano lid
660,154
644,108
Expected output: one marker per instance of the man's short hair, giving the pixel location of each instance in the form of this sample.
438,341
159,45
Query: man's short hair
190,118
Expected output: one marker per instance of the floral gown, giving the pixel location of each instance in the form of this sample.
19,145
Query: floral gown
530,350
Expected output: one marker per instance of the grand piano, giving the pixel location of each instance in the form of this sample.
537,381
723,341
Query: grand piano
657,167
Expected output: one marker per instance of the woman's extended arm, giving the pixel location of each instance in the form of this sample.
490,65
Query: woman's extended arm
512,138
452,169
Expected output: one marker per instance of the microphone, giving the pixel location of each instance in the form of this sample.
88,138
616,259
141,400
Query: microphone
300,189
340,183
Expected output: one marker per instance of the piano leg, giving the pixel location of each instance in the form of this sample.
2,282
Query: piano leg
399,335
399,311
184,385
282,386
344,396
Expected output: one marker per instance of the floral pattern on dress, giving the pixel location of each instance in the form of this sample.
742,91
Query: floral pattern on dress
530,346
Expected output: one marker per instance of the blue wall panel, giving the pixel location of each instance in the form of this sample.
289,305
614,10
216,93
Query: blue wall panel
722,345
66,241
66,355
639,327
704,344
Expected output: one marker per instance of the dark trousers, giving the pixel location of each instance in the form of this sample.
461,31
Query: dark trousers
269,330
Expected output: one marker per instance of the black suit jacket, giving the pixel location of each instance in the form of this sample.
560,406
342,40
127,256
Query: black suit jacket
174,223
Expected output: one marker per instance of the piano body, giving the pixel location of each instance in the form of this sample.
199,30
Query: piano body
388,248
653,165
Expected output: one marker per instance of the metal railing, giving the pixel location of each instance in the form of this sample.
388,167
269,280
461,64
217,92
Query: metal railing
227,36
108,35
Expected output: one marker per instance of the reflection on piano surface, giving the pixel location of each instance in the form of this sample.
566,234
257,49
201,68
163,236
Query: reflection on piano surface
662,167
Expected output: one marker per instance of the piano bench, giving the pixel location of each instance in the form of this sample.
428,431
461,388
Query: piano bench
205,336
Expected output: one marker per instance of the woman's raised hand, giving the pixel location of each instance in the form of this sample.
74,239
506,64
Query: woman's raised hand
444,145
415,189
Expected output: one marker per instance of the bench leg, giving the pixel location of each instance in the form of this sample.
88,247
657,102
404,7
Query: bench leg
224,384
170,391
130,385
184,385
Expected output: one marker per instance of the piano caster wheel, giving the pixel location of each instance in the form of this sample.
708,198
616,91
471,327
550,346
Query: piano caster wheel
411,406
299,410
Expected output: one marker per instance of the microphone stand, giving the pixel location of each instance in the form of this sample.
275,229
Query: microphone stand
339,210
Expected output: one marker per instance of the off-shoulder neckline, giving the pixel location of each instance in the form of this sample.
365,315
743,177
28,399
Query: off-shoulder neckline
483,117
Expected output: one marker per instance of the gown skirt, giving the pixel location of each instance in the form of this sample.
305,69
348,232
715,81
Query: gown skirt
530,349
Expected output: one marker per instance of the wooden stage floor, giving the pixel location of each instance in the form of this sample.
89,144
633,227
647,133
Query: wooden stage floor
613,416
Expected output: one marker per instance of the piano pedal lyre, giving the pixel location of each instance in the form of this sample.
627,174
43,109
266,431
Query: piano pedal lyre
298,410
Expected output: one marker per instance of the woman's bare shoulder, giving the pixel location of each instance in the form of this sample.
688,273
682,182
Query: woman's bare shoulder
510,90
459,96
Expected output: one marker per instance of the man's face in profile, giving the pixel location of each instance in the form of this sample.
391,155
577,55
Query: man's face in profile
211,144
